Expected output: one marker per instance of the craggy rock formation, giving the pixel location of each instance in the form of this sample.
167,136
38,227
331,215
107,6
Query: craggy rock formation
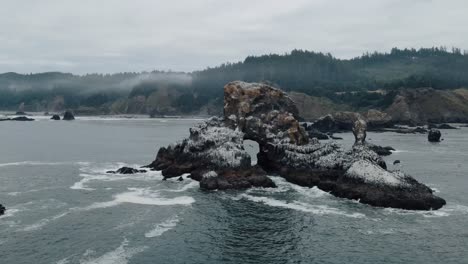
214,154
127,170
2,209
359,131
434,135
68,115
427,105
314,133
55,117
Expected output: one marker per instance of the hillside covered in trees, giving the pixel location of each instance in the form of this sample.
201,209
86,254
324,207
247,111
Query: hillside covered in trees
369,81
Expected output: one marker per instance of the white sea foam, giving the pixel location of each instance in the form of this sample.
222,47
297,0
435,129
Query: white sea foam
120,255
10,213
143,196
190,185
299,206
161,228
387,231
41,223
63,261
313,192
30,191
30,163
284,186
448,210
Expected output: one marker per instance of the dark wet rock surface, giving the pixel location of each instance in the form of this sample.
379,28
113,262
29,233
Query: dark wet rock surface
19,118
2,209
55,117
68,115
127,170
382,151
434,135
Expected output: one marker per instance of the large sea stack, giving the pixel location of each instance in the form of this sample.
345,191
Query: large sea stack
214,154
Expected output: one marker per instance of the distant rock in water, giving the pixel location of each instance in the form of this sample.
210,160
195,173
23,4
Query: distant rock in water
434,135
441,126
2,209
20,113
55,117
19,118
214,154
382,151
22,118
126,170
396,162
68,115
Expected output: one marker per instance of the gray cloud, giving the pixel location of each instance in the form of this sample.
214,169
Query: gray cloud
122,35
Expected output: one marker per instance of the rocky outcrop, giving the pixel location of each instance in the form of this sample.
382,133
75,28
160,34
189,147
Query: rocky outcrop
214,154
68,115
434,135
405,130
19,118
55,117
126,170
2,209
427,105
381,151
314,133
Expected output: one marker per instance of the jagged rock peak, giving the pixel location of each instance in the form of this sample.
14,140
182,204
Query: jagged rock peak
263,113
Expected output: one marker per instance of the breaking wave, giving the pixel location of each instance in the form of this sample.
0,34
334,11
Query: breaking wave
161,228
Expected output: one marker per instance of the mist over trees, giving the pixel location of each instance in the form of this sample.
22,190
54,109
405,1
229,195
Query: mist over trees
312,73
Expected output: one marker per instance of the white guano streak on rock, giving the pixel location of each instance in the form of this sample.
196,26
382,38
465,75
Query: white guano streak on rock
371,173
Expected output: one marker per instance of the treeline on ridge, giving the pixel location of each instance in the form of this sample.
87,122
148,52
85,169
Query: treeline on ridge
313,73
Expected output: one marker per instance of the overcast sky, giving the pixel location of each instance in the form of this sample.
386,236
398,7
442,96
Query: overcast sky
82,36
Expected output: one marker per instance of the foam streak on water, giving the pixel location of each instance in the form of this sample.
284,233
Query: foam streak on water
299,206
144,196
120,255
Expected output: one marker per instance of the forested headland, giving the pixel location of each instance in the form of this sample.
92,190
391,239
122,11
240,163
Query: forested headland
368,81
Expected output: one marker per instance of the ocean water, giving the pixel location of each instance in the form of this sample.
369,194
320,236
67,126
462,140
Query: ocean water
63,208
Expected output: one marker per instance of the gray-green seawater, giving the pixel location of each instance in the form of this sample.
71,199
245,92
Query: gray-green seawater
63,208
